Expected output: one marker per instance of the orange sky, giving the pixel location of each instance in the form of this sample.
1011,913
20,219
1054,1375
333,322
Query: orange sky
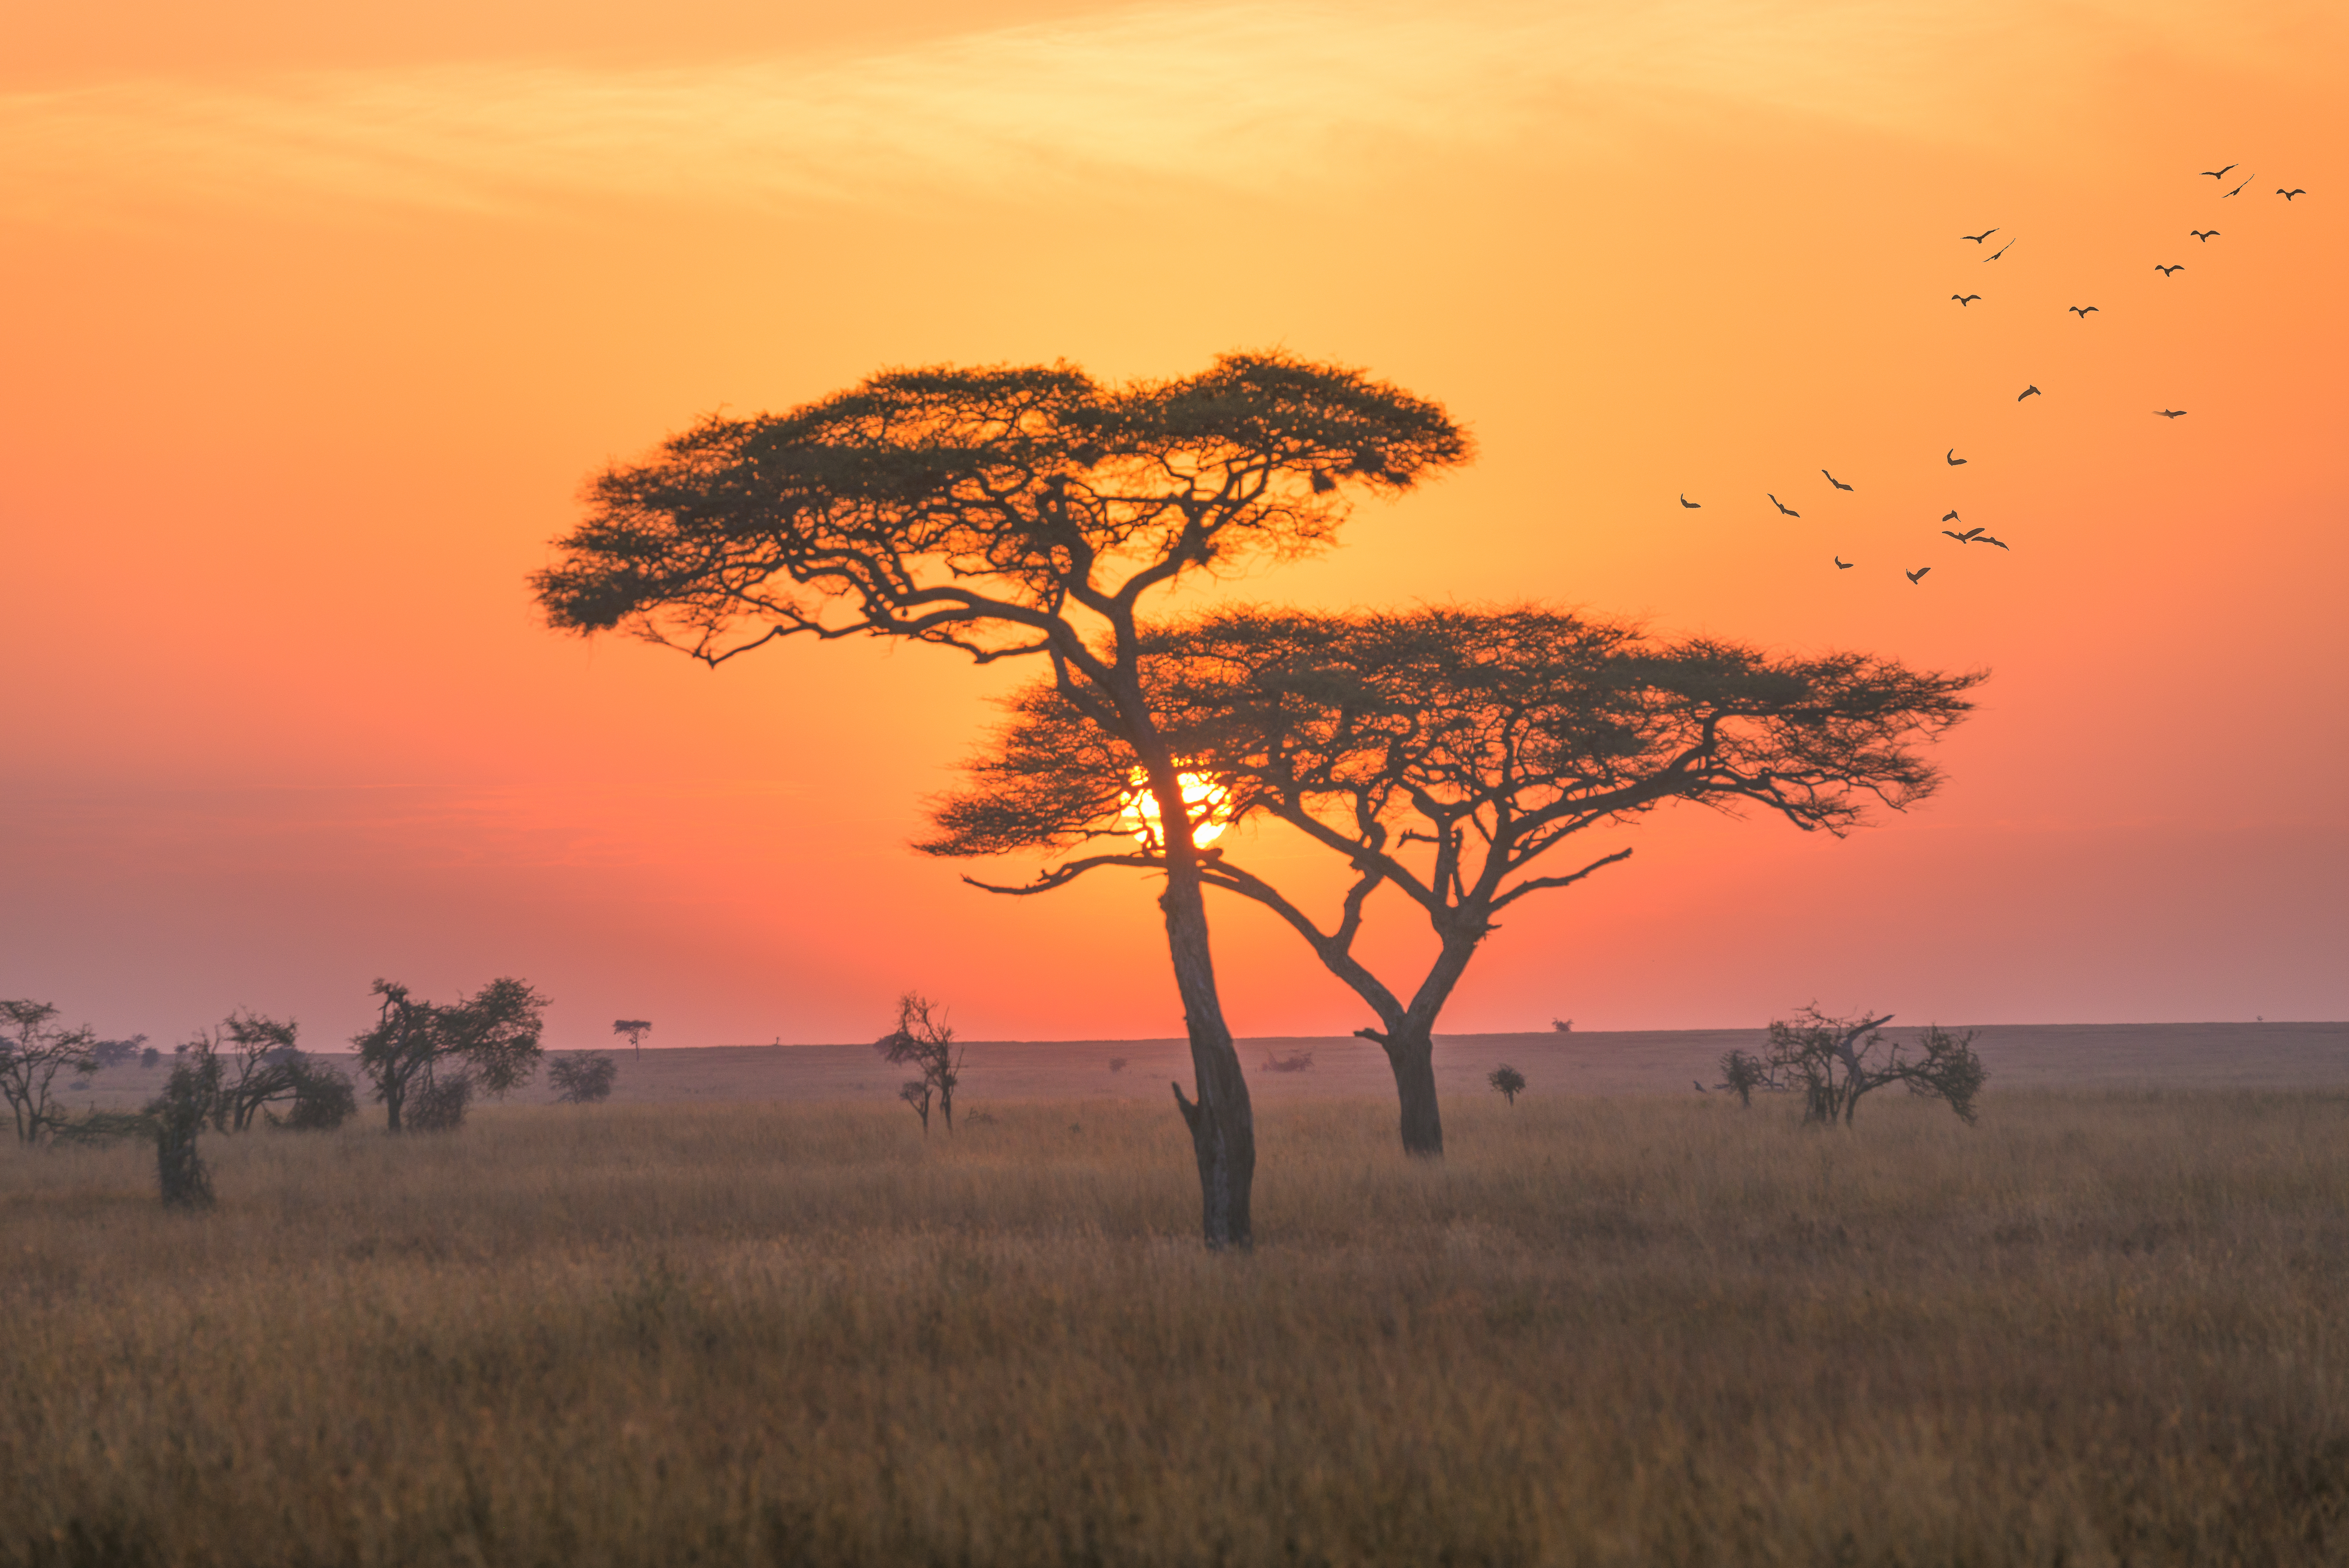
316,319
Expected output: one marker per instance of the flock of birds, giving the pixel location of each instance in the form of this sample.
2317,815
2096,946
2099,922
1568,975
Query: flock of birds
1962,535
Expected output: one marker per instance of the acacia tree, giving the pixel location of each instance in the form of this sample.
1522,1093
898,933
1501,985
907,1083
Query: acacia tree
1010,512
1442,753
924,1041
248,1064
634,1030
1840,1059
32,1051
420,1049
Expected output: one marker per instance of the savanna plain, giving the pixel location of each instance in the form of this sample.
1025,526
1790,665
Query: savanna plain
2102,1326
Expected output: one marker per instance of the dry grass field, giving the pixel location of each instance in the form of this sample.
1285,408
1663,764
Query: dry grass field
2099,1328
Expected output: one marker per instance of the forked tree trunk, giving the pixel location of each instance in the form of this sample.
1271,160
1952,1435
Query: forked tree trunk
1222,1122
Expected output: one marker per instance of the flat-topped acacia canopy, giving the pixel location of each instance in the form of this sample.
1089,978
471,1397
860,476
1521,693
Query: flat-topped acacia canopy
977,509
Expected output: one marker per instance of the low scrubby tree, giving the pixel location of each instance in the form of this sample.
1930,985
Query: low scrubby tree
634,1031
433,1055
1507,1081
254,1063
1836,1061
179,1116
584,1079
916,1092
923,1041
32,1051
116,1053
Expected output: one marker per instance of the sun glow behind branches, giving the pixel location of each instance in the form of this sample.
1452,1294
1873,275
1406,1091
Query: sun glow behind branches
1204,801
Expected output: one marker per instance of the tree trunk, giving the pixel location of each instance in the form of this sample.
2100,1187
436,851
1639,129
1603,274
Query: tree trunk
1410,1052
1222,1122
394,1091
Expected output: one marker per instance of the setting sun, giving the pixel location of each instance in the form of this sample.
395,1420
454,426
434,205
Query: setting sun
1203,799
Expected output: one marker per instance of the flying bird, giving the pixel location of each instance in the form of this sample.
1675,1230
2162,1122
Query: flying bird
2204,236
1781,506
1956,461
1986,538
1965,299
2001,250
2168,413
2165,272
1834,481
1841,564
2288,195
2029,392
1917,575
1978,239
2218,173
2239,189
1692,505
1950,517
1967,537
2080,310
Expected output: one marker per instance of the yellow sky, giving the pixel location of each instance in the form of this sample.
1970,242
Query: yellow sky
318,320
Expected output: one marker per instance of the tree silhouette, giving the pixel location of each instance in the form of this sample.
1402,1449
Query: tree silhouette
924,1041
32,1051
634,1030
1008,512
1442,753
433,1054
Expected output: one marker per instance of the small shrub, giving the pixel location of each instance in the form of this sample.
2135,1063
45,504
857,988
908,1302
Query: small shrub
1507,1081
1117,1064
440,1105
151,1058
916,1092
583,1079
179,1116
322,1101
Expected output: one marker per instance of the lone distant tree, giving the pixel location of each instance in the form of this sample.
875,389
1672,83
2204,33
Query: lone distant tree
1008,512
635,1029
1507,1081
583,1079
1838,1060
923,1041
32,1051
117,1052
1443,753
417,1049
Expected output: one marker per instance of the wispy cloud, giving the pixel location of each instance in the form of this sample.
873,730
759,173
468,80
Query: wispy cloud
1266,97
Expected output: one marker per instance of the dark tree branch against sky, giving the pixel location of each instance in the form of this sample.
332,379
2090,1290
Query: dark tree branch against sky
1443,752
1004,513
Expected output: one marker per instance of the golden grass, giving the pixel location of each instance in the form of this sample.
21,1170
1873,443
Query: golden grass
2093,1329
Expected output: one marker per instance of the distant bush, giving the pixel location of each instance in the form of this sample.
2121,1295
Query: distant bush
116,1053
1117,1064
151,1058
583,1079
179,1116
439,1105
322,1101
1507,1081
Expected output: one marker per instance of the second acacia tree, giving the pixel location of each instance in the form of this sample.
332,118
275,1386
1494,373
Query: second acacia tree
1443,753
